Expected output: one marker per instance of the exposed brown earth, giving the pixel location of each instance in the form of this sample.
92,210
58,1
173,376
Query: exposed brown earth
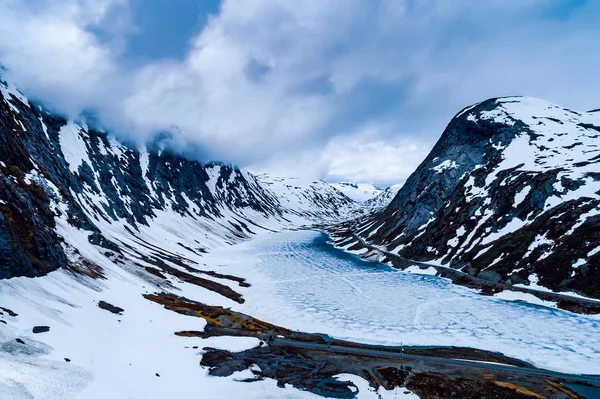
161,269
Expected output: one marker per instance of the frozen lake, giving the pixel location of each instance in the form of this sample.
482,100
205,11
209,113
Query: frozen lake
301,282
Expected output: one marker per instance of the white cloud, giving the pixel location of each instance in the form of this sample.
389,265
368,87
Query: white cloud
213,101
50,52
341,89
369,160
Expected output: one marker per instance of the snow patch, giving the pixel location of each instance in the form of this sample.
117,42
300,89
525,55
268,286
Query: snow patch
447,164
73,146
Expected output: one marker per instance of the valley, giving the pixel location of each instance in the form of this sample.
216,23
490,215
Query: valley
137,272
305,303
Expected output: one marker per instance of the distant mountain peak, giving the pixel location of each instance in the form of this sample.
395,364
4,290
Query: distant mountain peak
384,198
360,192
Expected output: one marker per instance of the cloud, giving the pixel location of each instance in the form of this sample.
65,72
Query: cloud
51,54
370,160
343,89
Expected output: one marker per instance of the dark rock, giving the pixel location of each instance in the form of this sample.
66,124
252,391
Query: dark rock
19,340
40,329
111,308
98,239
67,360
10,312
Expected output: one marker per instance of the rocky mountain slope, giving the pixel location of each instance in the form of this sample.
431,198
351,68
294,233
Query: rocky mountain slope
72,197
510,193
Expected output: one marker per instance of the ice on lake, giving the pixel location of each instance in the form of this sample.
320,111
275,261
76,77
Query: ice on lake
301,282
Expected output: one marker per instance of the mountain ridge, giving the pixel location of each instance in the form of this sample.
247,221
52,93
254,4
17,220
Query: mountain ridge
510,193
360,192
69,180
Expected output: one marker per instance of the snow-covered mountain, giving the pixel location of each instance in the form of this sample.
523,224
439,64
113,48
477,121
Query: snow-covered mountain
103,225
510,193
384,198
360,192
370,195
314,199
70,195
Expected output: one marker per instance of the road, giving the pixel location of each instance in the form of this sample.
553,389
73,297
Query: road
544,295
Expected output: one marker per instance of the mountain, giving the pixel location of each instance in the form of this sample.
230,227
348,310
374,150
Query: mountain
510,193
384,198
73,197
360,192
314,199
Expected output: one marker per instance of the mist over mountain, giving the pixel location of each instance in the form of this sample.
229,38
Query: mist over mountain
107,250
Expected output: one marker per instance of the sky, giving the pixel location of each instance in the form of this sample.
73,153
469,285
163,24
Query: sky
342,90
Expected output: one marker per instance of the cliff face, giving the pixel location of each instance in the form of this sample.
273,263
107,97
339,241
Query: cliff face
61,181
29,244
510,193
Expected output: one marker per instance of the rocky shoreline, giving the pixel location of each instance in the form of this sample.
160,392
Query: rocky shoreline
346,237
311,361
